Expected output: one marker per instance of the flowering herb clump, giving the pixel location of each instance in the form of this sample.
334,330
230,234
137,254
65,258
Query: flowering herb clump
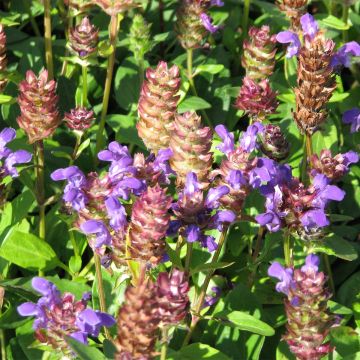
162,163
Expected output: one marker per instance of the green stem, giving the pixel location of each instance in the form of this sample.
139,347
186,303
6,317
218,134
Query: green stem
40,185
47,38
114,30
84,88
188,257
2,344
303,172
164,340
141,71
287,249
329,272
204,287
255,255
101,293
74,243
74,155
31,17
87,268
190,75
245,19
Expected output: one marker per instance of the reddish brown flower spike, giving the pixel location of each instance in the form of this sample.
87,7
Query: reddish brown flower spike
38,105
149,223
157,105
294,10
79,119
257,100
3,59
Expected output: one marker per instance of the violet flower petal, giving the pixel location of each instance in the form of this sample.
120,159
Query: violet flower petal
309,26
288,37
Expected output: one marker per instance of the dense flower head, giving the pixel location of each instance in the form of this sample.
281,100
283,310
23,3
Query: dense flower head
57,316
83,38
197,212
256,99
294,10
291,204
352,118
334,168
9,158
3,58
114,7
273,143
309,321
38,105
79,119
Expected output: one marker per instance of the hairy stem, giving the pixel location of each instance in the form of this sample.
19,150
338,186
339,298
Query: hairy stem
48,44
114,30
204,287
84,86
245,19
329,272
188,257
164,341
287,249
100,289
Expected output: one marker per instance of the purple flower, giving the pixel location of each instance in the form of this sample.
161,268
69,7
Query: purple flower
288,37
249,137
325,192
213,298
90,322
285,275
97,228
14,158
115,152
312,263
191,184
192,233
350,157
227,145
352,117
161,163
220,218
343,55
116,213
314,219
208,242
236,179
207,22
124,187
216,3
6,135
214,195
309,26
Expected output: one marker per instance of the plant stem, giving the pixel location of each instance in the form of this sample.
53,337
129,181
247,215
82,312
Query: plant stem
31,17
255,255
114,30
73,243
287,249
48,45
164,340
141,72
188,257
329,272
190,75
245,19
101,293
87,268
308,147
201,298
84,88
2,344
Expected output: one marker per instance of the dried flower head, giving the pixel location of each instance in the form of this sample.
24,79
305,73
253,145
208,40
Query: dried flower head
38,105
3,58
157,105
294,10
84,38
79,119
259,53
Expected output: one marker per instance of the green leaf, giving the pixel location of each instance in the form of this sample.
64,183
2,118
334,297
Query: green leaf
85,352
338,97
195,352
246,322
211,69
339,217
75,264
333,22
345,339
105,49
210,266
83,146
193,103
336,246
28,251
7,99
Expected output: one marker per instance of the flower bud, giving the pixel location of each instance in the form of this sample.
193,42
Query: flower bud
273,143
259,53
149,223
84,38
3,59
255,99
157,105
191,144
79,119
38,105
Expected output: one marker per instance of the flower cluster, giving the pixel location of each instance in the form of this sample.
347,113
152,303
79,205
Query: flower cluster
57,316
10,158
148,307
196,213
79,119
309,321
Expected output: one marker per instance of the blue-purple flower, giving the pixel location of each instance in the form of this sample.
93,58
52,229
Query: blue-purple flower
343,56
285,276
57,316
116,213
228,144
352,117
101,235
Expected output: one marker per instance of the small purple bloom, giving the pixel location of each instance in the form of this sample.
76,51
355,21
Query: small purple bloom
309,26
227,137
352,117
213,298
208,242
191,184
14,158
269,219
115,152
124,187
192,233
236,179
161,161
350,157
100,231
288,37
214,195
218,3
249,137
285,275
312,263
90,321
343,56
220,218
6,135
207,22
325,191
116,213
314,219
